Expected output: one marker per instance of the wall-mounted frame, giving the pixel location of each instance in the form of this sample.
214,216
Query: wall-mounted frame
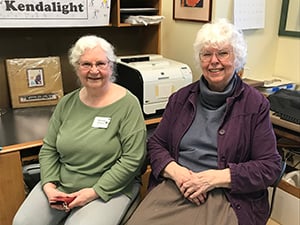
289,19
193,10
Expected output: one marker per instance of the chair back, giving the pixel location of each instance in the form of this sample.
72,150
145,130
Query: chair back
274,186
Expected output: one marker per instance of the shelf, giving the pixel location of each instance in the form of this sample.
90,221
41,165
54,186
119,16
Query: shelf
123,8
128,39
135,11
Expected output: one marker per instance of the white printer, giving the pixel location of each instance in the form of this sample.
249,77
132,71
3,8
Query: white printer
152,78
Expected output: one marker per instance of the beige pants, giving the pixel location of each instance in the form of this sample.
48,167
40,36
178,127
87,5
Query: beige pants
165,205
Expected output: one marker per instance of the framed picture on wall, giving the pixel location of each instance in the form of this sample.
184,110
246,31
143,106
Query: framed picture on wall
193,10
289,19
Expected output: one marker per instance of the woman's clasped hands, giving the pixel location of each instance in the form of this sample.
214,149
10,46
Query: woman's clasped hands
197,185
62,201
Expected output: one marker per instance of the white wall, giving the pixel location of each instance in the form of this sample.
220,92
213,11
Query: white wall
268,54
287,64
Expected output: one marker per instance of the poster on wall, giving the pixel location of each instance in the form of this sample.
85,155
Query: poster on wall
54,13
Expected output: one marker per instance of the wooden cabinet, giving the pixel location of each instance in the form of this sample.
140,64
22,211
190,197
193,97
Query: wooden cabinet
12,187
42,42
123,8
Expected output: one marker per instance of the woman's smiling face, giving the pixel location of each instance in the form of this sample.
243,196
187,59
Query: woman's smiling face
94,69
217,65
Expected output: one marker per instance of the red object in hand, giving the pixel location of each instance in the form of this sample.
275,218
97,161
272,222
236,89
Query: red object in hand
62,201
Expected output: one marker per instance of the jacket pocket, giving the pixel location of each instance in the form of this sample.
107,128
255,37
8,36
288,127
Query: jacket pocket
260,207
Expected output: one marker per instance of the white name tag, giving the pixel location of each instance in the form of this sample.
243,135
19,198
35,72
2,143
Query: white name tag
101,122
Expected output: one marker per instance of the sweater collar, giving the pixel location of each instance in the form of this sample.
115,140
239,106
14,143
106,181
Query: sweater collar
213,99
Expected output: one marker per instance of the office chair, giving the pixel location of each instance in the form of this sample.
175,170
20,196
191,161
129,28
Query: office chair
274,186
145,177
131,209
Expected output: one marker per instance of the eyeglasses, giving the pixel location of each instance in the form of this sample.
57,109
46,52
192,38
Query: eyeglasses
221,55
100,65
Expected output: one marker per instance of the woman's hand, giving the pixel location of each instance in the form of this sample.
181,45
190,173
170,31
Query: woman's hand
53,194
199,184
177,173
199,199
83,197
181,175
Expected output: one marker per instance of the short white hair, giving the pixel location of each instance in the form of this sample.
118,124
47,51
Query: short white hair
90,42
220,33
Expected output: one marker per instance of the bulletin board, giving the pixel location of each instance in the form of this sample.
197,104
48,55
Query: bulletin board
34,81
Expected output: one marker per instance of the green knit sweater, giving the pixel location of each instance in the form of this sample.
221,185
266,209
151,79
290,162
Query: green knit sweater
103,148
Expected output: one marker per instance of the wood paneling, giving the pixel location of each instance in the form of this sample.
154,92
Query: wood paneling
12,187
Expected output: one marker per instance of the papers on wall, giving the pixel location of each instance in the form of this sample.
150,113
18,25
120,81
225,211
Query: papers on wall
54,13
249,14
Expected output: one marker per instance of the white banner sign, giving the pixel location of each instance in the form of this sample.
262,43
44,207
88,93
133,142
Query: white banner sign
54,13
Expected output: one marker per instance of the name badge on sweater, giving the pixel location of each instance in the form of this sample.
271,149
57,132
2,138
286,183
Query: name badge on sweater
101,122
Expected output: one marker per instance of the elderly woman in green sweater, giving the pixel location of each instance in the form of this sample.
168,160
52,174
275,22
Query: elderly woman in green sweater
94,148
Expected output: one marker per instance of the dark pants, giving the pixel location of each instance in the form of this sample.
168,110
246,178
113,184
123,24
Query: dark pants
165,205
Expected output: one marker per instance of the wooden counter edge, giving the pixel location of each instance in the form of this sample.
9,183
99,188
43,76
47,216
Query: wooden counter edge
152,121
19,147
295,191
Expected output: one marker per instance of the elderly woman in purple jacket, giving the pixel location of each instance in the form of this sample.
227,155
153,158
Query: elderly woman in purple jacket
214,154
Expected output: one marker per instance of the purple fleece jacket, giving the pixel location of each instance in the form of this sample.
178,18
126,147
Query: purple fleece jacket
246,144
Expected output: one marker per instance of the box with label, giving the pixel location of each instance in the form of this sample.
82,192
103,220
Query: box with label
34,81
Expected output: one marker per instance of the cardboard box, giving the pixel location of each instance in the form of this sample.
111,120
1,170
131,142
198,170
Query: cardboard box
34,81
287,204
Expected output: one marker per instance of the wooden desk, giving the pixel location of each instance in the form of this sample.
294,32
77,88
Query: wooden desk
291,134
20,130
285,128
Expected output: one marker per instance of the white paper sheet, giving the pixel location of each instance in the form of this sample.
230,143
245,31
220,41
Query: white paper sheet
249,14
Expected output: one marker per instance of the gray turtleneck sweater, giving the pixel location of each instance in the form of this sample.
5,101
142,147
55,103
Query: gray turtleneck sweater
198,147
